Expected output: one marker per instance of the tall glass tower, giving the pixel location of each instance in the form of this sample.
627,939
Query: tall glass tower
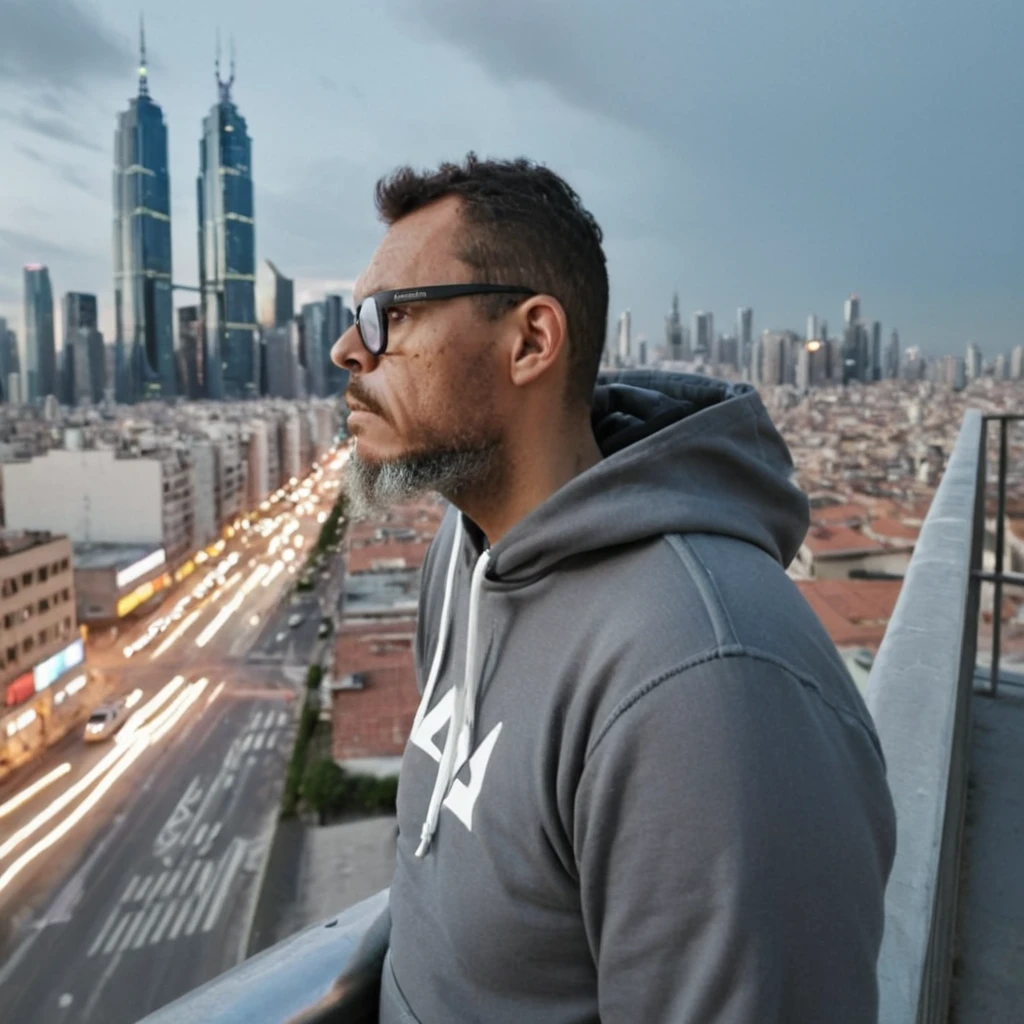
40,360
143,309
227,248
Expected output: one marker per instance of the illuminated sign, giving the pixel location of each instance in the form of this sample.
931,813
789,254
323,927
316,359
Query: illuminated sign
186,570
21,690
140,568
142,593
49,671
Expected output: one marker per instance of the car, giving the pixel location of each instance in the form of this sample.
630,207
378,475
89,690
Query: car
294,620
323,630
103,723
281,637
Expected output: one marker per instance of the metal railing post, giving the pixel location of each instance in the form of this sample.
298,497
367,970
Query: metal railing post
997,606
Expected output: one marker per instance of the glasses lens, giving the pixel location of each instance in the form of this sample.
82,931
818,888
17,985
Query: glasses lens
369,326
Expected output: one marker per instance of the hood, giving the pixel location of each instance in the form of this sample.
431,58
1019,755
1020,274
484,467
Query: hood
682,454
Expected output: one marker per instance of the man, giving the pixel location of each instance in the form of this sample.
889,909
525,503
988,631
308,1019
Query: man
640,786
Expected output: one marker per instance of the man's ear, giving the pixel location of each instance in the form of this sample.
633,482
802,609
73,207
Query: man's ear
541,337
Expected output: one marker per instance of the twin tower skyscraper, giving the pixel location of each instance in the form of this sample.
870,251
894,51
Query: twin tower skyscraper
145,359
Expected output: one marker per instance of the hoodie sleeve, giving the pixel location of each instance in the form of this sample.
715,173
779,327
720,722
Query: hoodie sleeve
733,834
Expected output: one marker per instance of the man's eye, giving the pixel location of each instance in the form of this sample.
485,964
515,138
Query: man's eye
396,314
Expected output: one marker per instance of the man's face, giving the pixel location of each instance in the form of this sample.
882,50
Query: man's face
427,415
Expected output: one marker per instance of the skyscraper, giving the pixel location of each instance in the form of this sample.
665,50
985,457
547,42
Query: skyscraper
40,355
703,333
973,361
892,357
624,339
314,337
191,352
745,339
851,310
1017,363
876,351
84,356
674,332
275,296
10,365
227,248
339,319
143,310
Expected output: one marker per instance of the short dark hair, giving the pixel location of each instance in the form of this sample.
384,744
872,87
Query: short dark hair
526,226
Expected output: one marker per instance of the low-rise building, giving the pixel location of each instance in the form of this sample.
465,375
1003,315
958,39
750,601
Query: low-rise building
116,580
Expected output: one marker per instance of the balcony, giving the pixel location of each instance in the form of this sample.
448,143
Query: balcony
951,722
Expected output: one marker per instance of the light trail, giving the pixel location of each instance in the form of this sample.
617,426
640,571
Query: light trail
149,736
231,607
30,791
185,623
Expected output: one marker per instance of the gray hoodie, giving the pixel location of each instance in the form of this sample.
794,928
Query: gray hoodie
641,786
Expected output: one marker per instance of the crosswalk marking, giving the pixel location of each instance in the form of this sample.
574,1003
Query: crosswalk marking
272,739
171,883
258,742
203,897
189,904
155,891
256,720
234,862
246,742
154,912
127,895
164,922
200,834
98,941
132,928
116,934
141,894
196,865
282,718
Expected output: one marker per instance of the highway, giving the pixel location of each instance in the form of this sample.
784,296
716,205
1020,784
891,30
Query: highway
130,868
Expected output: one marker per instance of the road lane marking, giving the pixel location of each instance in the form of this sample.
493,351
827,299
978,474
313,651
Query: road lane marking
214,832
116,935
141,894
217,904
258,742
171,907
247,742
204,898
282,718
200,834
132,928
171,883
154,912
255,722
98,941
272,739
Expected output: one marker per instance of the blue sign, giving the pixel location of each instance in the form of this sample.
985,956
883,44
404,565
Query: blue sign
46,673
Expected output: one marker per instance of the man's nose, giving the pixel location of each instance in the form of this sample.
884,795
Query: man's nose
350,353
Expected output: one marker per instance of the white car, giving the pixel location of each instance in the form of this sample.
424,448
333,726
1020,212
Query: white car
294,620
103,723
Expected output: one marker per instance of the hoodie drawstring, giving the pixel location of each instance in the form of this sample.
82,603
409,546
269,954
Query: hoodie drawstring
458,742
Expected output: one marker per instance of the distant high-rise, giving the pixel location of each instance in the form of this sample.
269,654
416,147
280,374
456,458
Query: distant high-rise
703,333
876,351
892,357
282,361
339,319
227,248
40,353
1000,369
275,296
84,354
812,326
851,310
624,339
973,361
745,338
674,332
1017,363
314,344
191,352
143,310
10,364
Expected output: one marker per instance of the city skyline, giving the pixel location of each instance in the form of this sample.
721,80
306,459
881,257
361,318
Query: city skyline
680,205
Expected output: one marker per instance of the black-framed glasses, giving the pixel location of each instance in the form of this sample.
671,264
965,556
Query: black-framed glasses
371,313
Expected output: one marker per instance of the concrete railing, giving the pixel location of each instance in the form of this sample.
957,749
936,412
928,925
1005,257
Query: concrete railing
919,694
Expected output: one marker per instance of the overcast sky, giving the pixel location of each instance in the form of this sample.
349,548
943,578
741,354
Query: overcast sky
773,153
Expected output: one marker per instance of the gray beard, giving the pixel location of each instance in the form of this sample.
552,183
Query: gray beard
373,487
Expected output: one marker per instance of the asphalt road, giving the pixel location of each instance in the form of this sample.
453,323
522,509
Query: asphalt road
142,882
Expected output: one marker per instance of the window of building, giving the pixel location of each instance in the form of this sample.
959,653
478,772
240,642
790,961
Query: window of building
12,654
28,644
9,620
67,593
63,565
44,605
26,579
44,635
9,587
44,573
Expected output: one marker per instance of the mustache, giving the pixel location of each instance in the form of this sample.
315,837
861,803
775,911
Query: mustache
361,396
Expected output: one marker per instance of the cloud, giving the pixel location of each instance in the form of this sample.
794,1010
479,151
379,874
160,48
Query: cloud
60,44
51,127
21,247
68,173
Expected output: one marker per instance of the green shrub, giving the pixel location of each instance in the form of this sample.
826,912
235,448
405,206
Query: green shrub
297,764
314,677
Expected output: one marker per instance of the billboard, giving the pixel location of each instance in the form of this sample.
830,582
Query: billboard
46,673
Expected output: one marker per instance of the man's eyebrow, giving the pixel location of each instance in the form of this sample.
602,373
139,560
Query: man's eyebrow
356,298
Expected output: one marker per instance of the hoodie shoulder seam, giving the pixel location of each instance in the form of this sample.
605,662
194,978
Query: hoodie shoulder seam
711,597
720,654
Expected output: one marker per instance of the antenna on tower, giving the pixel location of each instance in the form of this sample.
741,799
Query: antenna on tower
224,86
143,72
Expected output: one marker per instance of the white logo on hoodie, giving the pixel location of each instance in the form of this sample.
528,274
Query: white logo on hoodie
461,797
